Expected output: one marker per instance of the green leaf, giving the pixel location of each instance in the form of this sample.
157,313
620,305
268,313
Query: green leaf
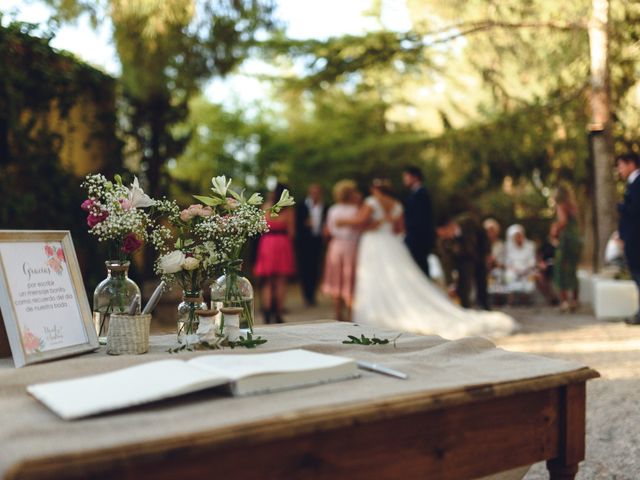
234,194
363,340
208,201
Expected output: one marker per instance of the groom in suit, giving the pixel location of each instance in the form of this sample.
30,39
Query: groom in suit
629,226
418,217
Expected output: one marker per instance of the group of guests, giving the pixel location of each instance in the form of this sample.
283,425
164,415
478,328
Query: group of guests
294,245
475,260
297,238
517,266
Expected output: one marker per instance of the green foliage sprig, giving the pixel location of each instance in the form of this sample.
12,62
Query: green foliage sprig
219,343
364,340
249,342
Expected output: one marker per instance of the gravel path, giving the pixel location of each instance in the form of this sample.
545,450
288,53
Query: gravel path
613,401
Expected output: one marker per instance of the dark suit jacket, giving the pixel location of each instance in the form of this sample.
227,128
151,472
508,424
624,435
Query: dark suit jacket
629,226
419,222
470,248
304,233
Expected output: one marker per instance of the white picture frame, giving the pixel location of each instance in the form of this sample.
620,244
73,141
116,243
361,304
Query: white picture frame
45,310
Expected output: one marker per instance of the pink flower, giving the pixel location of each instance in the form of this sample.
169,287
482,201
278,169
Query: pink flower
232,204
195,211
48,249
93,219
87,205
131,243
126,204
185,215
60,254
206,212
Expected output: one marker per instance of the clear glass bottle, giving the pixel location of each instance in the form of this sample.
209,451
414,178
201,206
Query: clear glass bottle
233,290
188,320
115,294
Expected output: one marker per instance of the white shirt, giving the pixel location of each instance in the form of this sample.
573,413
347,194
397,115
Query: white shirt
315,216
522,258
633,176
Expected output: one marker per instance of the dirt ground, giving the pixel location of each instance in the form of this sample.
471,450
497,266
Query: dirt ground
613,401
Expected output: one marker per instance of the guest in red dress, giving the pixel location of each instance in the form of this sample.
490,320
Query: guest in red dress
275,259
340,263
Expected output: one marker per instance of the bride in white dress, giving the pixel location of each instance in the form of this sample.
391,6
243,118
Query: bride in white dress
391,290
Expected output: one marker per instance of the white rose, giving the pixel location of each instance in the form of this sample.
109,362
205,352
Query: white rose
190,263
171,262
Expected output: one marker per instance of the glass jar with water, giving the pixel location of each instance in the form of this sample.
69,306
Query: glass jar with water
115,294
233,290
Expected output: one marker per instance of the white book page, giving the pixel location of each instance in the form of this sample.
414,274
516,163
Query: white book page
236,367
123,388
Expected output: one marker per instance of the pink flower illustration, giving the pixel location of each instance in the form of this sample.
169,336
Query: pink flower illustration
48,249
55,265
60,255
31,343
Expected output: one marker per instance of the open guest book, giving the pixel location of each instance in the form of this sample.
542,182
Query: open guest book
238,374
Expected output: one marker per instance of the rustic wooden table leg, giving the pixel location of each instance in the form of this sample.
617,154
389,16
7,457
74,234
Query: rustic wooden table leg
572,411
562,472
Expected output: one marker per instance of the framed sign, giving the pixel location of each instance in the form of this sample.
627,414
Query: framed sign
44,305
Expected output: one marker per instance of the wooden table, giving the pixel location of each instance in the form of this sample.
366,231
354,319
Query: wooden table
468,433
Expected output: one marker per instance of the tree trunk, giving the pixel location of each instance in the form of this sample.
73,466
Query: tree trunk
155,162
600,127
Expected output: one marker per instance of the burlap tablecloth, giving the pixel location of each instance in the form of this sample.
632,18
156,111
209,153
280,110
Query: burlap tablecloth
29,430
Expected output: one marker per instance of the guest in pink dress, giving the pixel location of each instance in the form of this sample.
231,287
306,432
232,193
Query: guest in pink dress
275,259
340,262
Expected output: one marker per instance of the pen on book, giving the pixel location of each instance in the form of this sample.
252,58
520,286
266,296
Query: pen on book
382,369
155,298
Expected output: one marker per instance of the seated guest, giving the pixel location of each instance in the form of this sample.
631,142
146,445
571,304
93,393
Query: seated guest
340,262
495,260
520,261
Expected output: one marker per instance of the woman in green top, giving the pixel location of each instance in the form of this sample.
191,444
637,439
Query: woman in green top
569,249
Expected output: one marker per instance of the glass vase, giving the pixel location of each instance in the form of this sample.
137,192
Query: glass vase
233,290
115,294
188,320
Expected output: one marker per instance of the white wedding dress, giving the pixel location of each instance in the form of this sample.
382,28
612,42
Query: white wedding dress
392,291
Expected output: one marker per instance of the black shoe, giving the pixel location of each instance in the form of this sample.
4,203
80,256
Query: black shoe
633,320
